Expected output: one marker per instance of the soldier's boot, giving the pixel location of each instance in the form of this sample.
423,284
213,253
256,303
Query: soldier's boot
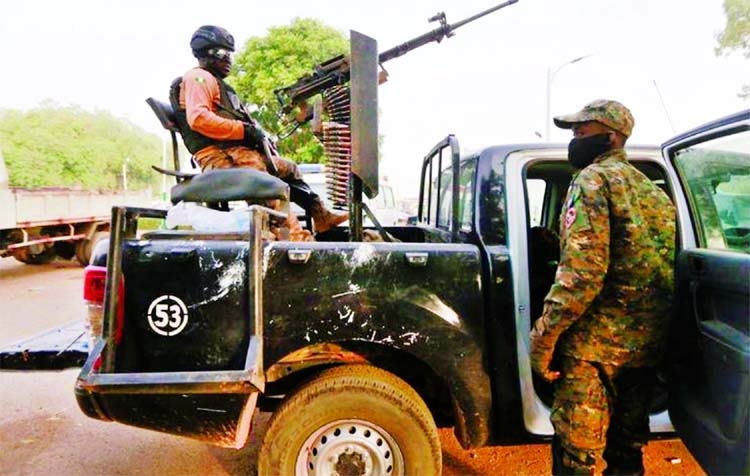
296,231
288,229
323,218
624,461
301,194
562,462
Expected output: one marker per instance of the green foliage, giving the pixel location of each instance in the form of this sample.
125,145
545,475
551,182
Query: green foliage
279,59
736,34
67,146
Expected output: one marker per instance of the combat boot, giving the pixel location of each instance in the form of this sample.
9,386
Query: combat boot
323,218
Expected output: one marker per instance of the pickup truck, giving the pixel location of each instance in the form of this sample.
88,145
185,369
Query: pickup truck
38,224
361,349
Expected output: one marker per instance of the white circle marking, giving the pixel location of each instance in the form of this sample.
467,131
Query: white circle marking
167,315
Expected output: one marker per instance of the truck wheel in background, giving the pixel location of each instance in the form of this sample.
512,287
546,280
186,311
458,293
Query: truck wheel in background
84,247
64,249
352,419
34,254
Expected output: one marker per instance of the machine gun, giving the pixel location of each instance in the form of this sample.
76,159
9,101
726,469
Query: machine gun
335,71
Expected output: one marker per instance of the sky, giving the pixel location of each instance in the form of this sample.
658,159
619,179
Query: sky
487,84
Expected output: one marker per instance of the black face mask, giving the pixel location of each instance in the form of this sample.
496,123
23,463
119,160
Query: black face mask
582,151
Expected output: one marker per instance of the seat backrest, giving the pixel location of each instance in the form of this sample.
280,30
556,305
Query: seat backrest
165,113
166,116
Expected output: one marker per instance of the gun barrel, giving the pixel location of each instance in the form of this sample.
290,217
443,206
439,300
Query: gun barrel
463,22
437,34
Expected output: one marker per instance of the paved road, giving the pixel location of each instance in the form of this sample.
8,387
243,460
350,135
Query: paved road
42,432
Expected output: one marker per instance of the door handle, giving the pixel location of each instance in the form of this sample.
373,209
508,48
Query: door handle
698,265
417,259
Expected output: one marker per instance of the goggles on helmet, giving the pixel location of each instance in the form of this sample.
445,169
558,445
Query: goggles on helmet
220,53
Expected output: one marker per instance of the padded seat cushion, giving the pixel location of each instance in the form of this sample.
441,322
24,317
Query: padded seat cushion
226,185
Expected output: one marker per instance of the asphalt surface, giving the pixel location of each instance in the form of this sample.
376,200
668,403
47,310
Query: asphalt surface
42,431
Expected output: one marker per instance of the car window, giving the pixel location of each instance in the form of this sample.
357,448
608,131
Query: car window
465,198
716,177
535,189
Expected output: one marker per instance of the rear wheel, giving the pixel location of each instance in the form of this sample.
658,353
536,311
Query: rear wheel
84,247
352,420
35,254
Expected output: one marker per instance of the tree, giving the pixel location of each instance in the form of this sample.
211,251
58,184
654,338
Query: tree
279,59
736,34
67,146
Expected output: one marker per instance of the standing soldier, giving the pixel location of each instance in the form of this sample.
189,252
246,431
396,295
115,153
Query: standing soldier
606,317
220,134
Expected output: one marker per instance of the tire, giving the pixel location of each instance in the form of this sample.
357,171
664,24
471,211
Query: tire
352,419
85,247
64,249
30,255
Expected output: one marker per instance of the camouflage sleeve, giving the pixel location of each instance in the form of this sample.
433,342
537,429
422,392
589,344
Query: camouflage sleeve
584,254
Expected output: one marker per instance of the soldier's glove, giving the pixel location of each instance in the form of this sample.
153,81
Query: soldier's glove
254,136
542,351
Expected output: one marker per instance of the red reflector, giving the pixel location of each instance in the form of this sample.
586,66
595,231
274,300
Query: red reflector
94,278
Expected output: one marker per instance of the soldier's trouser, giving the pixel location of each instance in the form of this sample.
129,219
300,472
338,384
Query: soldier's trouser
214,157
600,414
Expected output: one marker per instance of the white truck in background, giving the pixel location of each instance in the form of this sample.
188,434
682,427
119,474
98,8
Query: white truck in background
38,224
384,206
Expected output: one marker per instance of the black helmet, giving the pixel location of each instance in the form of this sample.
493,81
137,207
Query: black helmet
210,36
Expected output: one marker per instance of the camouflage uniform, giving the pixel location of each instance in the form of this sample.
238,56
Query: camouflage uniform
605,318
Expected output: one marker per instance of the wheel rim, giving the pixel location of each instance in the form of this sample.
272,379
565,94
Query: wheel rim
350,448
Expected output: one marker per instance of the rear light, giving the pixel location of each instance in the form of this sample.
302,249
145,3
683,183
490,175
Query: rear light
94,278
94,287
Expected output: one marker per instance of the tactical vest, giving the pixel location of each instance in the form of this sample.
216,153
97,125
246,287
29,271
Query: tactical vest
229,107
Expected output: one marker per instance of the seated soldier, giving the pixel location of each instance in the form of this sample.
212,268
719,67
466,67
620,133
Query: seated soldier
220,134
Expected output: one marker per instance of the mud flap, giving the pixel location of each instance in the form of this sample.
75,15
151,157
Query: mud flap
211,406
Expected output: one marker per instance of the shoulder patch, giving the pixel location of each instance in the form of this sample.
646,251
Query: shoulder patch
570,217
200,79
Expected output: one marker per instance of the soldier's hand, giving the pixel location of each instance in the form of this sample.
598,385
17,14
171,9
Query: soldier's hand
541,352
254,136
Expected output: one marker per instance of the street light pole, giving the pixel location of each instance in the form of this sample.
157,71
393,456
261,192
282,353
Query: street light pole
550,77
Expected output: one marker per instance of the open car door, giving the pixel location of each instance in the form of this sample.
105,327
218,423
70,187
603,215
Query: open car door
709,352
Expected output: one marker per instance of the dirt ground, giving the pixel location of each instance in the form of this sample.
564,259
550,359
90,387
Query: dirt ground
42,431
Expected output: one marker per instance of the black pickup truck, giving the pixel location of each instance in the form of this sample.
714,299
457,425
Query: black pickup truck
361,349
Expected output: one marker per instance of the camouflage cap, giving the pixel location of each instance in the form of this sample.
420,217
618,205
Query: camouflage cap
610,113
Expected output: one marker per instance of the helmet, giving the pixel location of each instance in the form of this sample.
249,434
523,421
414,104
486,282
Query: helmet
210,36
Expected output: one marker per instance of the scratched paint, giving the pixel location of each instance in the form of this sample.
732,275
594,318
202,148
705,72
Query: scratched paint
230,278
362,255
